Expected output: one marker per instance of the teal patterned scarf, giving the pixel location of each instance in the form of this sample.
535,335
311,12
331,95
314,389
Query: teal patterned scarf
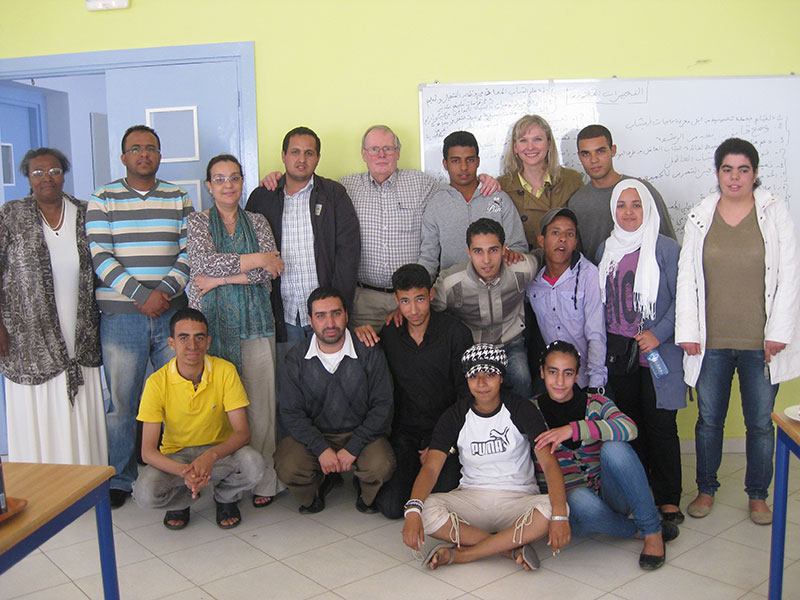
236,312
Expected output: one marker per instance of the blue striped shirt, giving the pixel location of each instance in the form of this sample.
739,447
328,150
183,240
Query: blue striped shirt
138,243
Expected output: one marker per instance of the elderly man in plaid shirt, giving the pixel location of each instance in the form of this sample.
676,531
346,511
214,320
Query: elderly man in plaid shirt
389,203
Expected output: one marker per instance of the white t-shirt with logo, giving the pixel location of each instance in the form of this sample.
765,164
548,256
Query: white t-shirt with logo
494,450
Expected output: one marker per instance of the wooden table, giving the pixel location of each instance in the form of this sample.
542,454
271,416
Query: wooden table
788,435
57,495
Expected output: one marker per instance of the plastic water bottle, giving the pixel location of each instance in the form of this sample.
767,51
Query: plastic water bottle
657,365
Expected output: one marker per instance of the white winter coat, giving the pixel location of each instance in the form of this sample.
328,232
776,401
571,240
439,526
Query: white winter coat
781,285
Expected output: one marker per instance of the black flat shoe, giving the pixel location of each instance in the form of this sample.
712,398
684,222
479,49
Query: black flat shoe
672,517
365,508
669,531
649,562
117,497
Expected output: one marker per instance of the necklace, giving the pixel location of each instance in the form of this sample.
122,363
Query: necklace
60,219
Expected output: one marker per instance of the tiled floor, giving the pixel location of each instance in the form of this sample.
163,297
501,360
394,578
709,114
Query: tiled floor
340,553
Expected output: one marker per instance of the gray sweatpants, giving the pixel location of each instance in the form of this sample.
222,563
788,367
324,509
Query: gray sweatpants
231,477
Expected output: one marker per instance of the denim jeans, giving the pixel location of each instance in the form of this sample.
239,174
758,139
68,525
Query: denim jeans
518,374
758,399
128,342
623,487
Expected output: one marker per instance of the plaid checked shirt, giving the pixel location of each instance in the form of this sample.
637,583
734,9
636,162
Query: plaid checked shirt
390,216
297,250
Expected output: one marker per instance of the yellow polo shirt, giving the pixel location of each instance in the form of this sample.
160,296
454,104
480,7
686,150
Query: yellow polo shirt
192,417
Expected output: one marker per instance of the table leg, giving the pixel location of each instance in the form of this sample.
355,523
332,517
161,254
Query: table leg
105,539
779,516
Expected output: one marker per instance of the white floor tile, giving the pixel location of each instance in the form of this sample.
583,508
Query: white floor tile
340,563
722,517
146,580
216,559
669,582
66,591
752,596
33,573
545,584
327,596
347,520
389,540
83,559
160,540
728,562
194,593
474,575
589,563
131,516
760,536
791,582
291,537
253,518
81,529
400,583
270,581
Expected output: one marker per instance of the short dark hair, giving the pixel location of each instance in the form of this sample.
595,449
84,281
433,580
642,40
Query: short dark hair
411,276
222,158
459,138
737,146
133,128
595,131
563,347
300,131
186,314
486,226
322,292
24,166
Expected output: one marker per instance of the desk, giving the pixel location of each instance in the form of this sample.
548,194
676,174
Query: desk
788,435
57,495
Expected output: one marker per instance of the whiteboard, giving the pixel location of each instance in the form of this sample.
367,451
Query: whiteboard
665,130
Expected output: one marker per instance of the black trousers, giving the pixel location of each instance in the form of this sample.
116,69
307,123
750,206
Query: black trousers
657,444
396,492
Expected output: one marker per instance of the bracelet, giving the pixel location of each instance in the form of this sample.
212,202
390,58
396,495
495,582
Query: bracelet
559,518
411,509
414,502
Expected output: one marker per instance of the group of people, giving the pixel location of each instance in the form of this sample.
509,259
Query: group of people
434,337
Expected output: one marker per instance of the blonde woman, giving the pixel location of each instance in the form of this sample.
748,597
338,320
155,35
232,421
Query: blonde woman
533,177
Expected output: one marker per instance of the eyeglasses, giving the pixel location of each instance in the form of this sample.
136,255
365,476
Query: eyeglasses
138,150
375,150
220,180
54,172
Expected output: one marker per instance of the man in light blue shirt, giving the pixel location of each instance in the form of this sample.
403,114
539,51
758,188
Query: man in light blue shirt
565,295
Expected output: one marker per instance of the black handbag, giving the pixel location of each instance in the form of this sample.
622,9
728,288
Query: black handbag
622,354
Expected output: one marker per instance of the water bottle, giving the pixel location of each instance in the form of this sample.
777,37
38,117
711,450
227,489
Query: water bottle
657,365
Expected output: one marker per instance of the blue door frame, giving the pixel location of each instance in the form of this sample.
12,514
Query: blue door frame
85,63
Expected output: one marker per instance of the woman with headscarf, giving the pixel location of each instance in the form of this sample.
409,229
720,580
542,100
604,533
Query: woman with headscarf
638,271
49,330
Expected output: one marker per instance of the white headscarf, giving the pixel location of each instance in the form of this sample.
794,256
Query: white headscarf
621,242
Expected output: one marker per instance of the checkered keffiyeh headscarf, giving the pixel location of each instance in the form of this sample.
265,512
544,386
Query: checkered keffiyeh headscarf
484,358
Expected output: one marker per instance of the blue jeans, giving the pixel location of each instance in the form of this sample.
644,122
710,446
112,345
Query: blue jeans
623,487
518,374
758,399
128,342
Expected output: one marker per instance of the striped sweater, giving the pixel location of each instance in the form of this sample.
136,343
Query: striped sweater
603,422
138,244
